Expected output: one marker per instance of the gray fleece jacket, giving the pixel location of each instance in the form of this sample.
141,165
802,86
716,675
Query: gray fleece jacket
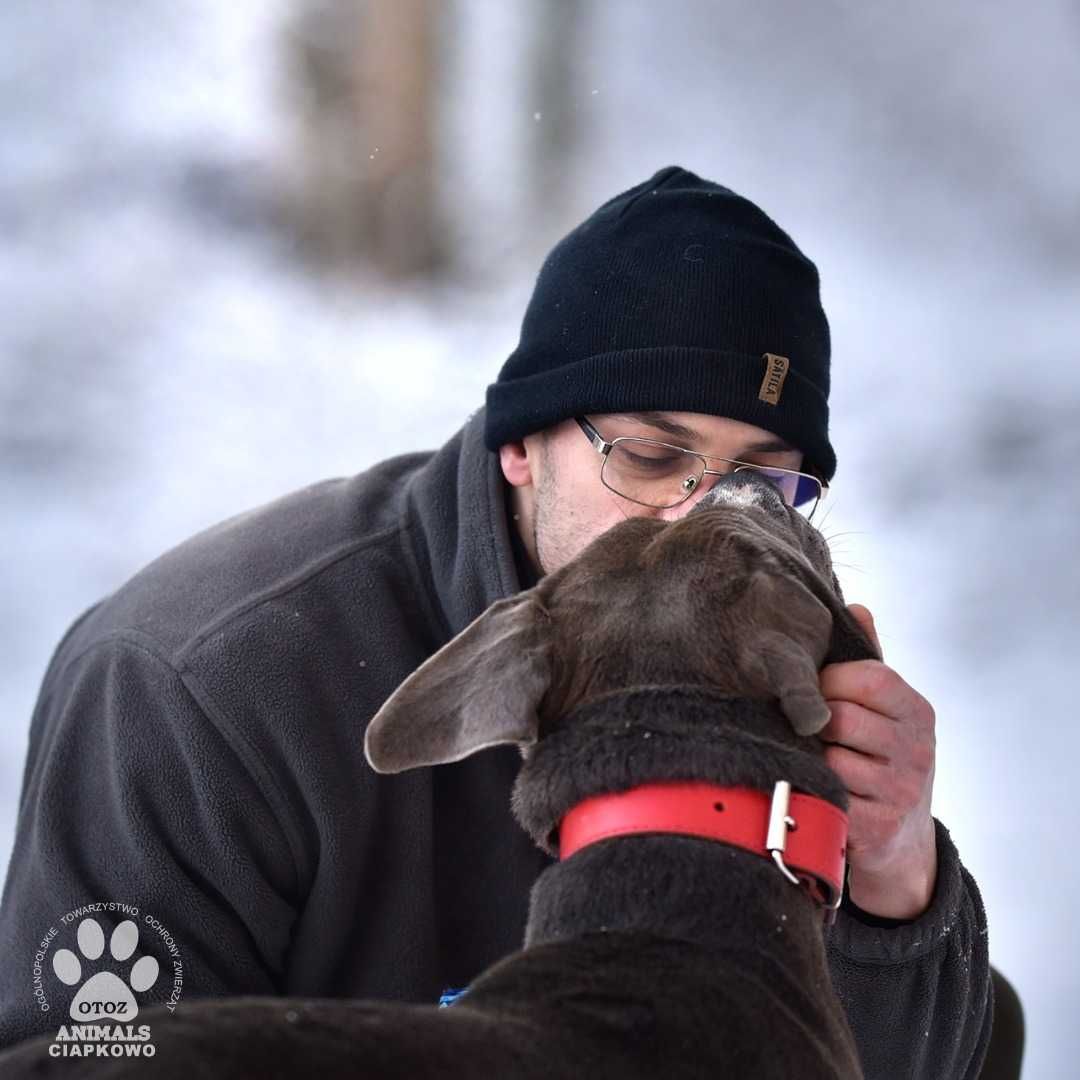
197,753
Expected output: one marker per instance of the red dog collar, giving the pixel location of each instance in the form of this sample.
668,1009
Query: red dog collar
803,835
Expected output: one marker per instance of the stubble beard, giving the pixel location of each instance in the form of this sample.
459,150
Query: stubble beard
542,497
557,525
551,543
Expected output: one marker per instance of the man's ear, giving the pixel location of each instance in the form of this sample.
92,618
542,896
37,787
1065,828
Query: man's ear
481,689
783,657
515,460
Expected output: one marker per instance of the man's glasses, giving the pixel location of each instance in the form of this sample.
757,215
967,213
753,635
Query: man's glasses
661,475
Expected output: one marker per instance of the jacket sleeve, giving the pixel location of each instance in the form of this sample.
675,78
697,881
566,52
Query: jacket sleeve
918,996
133,797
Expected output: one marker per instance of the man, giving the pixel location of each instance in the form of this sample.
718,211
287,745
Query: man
197,746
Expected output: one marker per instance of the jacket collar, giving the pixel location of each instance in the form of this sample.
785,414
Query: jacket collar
457,522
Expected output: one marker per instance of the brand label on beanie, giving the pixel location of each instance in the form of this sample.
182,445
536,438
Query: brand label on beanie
772,386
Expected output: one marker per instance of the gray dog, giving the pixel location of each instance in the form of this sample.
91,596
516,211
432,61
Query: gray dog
659,687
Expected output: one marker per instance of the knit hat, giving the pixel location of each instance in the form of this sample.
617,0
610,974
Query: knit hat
676,295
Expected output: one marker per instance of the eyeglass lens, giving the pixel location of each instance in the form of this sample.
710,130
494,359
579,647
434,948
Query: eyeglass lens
656,475
797,490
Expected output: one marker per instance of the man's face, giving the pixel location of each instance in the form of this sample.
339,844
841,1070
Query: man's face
559,503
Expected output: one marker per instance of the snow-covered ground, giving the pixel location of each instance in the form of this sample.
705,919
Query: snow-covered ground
163,364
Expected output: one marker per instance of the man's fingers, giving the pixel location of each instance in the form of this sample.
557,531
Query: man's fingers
873,825
861,774
859,729
869,683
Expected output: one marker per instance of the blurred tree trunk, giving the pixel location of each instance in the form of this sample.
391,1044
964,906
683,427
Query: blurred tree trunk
366,75
554,66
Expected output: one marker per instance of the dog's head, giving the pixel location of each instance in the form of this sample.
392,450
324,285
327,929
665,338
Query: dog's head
738,596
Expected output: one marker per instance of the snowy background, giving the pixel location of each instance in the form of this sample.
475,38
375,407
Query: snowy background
166,360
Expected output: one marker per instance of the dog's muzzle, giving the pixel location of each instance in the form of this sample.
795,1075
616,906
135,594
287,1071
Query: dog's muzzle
744,488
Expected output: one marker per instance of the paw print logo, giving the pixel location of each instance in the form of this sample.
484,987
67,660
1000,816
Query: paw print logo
105,995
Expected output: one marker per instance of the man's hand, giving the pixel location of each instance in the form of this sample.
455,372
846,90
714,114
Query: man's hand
881,738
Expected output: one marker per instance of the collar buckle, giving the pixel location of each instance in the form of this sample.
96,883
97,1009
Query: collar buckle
780,823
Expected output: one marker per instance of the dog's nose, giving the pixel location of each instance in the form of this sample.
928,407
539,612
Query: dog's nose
744,488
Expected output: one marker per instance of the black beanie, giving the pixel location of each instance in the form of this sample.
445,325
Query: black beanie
676,295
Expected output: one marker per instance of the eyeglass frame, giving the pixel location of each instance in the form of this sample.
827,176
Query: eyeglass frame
603,447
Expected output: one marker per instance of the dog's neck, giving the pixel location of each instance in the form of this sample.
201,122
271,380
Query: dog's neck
682,887
649,734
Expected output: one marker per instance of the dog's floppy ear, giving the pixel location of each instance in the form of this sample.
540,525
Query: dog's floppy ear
480,689
848,642
788,631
